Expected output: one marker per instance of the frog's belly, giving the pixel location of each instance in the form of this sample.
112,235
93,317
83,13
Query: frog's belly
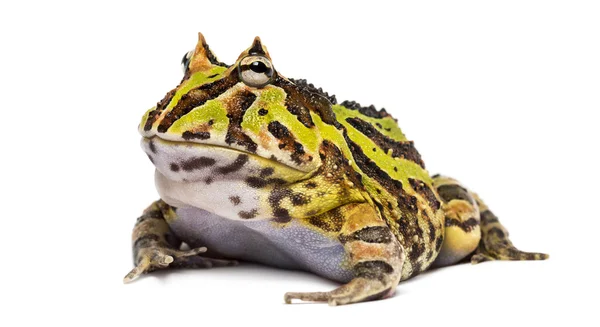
293,246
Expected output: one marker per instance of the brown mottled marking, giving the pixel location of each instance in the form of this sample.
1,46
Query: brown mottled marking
370,234
330,221
376,269
236,107
401,149
248,214
235,200
288,141
425,191
160,107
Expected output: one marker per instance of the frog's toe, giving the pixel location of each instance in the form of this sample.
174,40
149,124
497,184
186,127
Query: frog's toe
153,258
137,271
306,296
358,290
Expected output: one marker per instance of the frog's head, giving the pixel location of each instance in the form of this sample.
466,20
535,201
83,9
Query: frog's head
247,109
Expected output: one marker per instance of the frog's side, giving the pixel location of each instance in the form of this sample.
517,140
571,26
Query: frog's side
251,165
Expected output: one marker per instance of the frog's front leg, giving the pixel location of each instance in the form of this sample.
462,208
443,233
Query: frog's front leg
156,247
374,255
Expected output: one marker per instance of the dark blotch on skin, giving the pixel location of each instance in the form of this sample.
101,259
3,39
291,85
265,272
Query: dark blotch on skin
266,172
311,185
208,180
152,146
257,182
279,130
376,269
239,162
299,199
416,250
281,215
197,163
467,225
287,141
262,112
187,135
449,192
370,234
235,200
248,214
174,167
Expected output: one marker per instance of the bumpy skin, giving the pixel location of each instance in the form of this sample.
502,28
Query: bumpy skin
279,173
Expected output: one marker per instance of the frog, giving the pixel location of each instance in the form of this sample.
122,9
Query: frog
256,167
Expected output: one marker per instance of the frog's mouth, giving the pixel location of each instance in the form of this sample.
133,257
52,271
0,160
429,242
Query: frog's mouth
194,162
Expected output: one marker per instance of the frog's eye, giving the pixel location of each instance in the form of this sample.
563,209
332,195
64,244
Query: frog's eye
256,71
185,61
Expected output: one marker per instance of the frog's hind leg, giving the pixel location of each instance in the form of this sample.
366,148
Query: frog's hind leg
156,247
462,224
374,255
471,228
495,244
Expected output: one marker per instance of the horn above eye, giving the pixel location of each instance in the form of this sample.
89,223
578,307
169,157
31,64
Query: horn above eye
256,71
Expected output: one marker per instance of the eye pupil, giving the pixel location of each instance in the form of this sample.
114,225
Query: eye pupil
259,67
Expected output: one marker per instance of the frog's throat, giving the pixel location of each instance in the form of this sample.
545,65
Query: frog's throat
192,162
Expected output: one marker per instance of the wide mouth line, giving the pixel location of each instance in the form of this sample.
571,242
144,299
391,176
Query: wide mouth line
225,148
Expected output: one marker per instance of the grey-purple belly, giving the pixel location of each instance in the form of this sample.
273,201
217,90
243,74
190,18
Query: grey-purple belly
293,246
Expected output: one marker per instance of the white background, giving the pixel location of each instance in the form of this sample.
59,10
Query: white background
502,95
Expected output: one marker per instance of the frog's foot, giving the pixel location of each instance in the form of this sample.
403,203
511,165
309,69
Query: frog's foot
155,246
495,244
154,258
358,290
502,250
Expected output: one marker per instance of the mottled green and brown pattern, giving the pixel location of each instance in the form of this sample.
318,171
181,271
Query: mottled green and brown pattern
342,171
